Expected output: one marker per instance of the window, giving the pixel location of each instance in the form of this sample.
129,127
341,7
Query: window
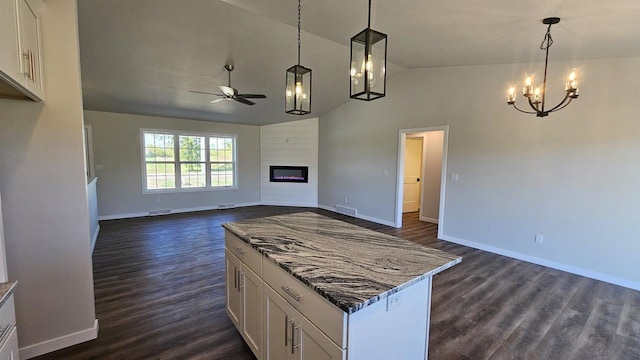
179,161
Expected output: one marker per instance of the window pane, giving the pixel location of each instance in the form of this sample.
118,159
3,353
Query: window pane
193,175
191,148
158,147
221,149
222,174
160,176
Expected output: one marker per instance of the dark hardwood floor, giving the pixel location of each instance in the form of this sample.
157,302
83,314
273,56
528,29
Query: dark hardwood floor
159,288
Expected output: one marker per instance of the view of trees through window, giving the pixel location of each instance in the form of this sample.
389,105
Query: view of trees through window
193,167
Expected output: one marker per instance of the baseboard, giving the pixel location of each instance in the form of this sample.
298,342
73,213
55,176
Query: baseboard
547,263
173,211
291,204
48,346
428,219
360,216
95,238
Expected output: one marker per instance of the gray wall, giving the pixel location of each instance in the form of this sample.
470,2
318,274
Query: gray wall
44,200
571,176
116,150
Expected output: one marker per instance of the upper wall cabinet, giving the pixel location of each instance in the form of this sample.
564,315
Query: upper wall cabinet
20,50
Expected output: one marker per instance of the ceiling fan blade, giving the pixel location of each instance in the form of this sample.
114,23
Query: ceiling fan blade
203,92
217,100
243,100
252,96
228,90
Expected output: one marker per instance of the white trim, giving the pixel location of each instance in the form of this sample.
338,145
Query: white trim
276,203
360,216
95,238
428,219
402,136
544,262
174,211
48,346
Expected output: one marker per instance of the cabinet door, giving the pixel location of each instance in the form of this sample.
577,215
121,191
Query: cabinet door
29,35
234,296
252,310
312,344
277,326
9,350
9,55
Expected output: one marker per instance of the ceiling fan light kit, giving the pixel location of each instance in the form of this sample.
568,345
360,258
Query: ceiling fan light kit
535,95
368,73
298,84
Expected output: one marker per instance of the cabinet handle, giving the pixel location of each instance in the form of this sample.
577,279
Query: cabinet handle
239,279
235,278
5,331
33,66
293,337
27,56
239,250
286,329
290,292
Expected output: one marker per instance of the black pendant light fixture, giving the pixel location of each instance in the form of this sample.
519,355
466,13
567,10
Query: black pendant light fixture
298,90
368,64
536,96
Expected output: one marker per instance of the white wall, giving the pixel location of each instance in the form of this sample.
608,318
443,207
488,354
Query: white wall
43,185
570,176
3,258
289,144
116,150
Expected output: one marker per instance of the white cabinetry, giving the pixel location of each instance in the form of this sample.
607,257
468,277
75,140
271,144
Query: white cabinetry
244,296
8,331
20,50
289,335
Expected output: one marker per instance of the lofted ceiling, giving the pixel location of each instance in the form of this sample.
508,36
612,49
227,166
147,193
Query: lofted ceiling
144,56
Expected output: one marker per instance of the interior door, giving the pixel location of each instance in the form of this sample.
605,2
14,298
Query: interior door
412,173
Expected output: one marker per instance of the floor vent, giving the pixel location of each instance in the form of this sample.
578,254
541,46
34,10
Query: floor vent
346,210
159,212
226,206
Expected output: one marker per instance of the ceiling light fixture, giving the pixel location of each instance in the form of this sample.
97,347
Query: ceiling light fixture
298,90
534,94
368,63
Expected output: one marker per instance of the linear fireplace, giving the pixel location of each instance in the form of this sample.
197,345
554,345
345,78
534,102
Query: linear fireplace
295,174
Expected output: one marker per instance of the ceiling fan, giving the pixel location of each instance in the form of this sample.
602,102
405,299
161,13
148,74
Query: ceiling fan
230,93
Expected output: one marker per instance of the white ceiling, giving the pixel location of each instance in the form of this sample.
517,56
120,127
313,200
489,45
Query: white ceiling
143,56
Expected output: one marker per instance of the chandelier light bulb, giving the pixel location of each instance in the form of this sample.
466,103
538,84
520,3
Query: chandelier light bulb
511,97
528,86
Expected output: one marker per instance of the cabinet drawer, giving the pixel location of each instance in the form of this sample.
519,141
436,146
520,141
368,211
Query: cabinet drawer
322,313
243,251
7,313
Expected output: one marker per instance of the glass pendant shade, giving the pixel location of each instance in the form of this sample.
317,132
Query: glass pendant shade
368,65
298,90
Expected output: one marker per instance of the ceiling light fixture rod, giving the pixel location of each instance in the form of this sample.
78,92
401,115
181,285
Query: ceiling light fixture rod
299,11
536,98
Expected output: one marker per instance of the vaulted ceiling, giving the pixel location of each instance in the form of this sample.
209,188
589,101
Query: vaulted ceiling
144,56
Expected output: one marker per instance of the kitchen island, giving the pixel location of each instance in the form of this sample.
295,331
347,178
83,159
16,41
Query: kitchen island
305,286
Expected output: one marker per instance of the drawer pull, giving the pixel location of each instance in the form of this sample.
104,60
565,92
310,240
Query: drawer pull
293,337
5,331
290,292
286,329
239,250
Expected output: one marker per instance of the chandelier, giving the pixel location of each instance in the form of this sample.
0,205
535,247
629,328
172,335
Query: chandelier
534,94
298,88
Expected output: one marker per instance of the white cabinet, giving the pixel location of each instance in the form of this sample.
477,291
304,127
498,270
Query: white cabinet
244,301
20,50
8,331
289,335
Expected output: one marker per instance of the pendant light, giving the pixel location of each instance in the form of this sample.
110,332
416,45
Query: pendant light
298,90
368,63
536,96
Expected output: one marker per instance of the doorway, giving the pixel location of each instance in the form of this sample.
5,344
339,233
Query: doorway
432,174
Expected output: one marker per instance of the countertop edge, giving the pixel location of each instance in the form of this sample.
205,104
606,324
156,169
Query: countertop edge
6,289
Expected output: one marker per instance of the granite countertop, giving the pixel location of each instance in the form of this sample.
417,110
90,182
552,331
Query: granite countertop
6,289
350,266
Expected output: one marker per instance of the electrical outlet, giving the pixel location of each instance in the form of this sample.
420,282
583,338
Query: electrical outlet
346,201
539,239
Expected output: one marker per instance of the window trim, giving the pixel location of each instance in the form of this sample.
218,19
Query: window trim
176,143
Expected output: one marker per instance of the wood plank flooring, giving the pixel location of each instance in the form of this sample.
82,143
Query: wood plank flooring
159,287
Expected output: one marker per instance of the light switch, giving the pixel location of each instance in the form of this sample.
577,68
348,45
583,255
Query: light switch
454,177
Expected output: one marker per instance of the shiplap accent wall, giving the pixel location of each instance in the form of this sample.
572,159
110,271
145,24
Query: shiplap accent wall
289,144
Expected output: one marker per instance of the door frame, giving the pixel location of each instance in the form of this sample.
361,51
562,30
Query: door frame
402,137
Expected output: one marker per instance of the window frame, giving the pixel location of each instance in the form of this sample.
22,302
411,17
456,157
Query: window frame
178,163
